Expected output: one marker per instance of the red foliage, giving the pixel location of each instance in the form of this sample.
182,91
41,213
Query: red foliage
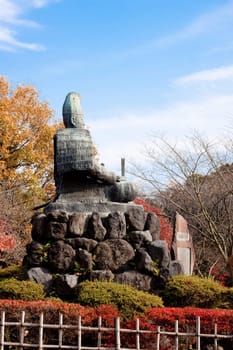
164,317
7,241
219,274
166,230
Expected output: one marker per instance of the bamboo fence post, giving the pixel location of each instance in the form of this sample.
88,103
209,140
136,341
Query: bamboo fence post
60,331
177,335
198,332
79,333
118,334
99,332
158,338
2,330
41,331
215,336
22,330
137,334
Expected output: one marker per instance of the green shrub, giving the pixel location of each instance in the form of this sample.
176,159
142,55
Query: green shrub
11,288
16,271
227,298
128,300
193,291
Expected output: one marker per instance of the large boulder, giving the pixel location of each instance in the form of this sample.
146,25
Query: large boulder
158,250
153,225
65,285
100,275
41,275
58,215
111,254
39,223
61,257
140,239
95,228
57,230
135,279
82,242
116,225
77,224
35,254
143,261
84,259
135,218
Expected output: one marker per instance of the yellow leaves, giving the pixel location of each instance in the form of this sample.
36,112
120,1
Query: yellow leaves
26,140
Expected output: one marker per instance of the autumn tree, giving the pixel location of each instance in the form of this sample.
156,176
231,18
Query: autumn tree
26,153
195,179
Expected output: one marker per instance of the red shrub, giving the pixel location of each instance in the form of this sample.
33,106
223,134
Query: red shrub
164,317
7,241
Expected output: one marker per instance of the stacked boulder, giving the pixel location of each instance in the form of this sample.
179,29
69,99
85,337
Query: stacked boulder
68,248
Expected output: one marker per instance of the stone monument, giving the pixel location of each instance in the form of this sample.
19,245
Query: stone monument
82,183
182,246
93,230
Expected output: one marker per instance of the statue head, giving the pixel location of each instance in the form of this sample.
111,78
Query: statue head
72,111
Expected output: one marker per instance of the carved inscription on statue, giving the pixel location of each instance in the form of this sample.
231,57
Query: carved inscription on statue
73,152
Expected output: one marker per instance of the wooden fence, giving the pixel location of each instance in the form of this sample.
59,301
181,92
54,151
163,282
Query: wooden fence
27,335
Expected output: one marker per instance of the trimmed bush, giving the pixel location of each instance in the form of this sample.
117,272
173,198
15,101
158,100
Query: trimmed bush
16,271
193,291
227,298
11,288
128,300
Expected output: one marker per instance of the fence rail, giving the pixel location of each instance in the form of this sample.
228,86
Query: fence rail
19,335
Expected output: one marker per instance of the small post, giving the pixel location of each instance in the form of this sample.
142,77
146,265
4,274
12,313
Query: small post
123,167
117,333
79,333
177,335
2,330
137,334
22,330
198,332
215,336
60,332
99,332
41,331
158,338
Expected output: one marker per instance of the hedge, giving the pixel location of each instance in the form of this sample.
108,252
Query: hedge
181,291
128,300
165,317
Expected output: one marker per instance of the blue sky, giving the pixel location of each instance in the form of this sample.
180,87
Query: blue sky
141,66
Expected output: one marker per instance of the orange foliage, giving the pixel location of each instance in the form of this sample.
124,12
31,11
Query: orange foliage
26,159
26,140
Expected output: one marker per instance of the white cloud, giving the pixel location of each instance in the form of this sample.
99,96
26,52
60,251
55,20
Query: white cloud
11,16
9,10
125,136
222,73
9,43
